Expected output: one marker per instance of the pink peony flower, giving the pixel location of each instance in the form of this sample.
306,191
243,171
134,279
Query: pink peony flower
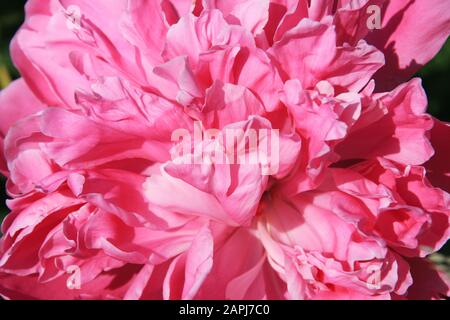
244,149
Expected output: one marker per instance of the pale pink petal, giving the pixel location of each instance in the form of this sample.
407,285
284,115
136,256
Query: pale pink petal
406,55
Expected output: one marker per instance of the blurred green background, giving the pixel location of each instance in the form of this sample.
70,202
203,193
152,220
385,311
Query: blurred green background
436,77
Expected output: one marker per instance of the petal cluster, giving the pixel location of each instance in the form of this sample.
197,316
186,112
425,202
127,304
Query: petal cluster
115,196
